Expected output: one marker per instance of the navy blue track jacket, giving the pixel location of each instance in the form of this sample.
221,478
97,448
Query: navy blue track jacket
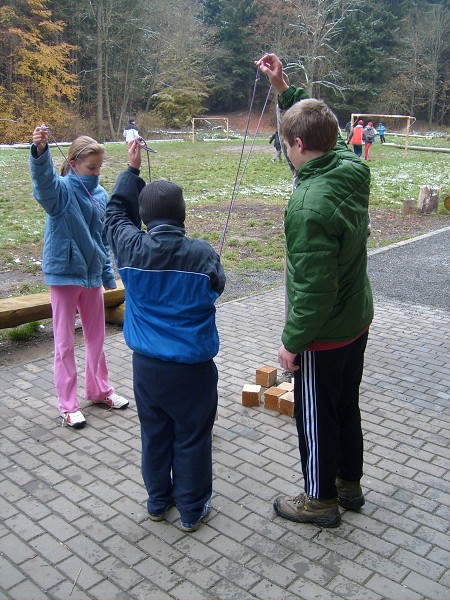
171,281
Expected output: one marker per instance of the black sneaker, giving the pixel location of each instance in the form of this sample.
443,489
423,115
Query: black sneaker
302,509
350,494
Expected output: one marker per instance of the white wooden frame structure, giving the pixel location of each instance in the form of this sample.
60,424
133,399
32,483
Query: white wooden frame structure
410,121
207,119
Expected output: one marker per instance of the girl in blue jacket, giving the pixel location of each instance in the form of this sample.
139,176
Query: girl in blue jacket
76,265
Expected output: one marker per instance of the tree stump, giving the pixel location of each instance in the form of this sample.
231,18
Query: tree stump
428,199
409,206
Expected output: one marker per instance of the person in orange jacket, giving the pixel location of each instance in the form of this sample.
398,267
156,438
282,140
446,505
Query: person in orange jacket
356,138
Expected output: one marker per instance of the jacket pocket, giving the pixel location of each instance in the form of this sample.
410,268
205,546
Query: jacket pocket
67,259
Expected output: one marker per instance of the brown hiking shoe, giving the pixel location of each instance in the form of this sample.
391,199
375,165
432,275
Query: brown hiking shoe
324,513
349,494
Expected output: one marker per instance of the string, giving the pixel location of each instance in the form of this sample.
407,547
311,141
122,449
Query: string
143,144
236,184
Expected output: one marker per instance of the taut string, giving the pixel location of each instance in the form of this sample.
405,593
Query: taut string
236,184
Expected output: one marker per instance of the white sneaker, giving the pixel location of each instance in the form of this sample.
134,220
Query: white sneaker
113,401
73,419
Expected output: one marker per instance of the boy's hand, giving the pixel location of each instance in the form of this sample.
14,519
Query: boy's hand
271,66
134,154
40,137
287,359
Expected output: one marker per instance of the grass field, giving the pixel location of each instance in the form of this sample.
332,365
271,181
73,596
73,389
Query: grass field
207,171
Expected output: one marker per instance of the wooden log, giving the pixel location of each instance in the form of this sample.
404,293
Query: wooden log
18,310
115,314
428,199
424,148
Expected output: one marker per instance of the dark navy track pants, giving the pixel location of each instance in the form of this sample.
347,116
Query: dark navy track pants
177,405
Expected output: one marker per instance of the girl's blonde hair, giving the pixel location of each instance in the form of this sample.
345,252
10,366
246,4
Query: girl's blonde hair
81,148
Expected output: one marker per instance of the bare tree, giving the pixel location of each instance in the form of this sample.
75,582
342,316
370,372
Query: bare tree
438,21
422,72
318,25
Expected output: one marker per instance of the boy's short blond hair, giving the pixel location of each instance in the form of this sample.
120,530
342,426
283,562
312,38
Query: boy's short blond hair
313,122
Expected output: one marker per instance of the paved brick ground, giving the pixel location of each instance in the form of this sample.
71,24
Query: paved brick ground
73,513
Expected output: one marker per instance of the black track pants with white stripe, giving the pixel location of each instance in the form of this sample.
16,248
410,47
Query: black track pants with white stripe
326,389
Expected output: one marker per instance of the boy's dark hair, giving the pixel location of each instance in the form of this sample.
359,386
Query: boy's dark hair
313,122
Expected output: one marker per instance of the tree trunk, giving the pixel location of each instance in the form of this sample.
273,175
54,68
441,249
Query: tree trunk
99,42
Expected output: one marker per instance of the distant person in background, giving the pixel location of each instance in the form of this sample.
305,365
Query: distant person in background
381,131
369,134
277,145
130,132
348,127
355,137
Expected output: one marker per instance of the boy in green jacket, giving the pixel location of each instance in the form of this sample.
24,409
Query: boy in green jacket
330,303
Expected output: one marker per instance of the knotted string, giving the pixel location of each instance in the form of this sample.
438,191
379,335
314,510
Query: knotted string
236,184
143,144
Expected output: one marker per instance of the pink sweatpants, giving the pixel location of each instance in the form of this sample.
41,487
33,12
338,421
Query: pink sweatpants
66,299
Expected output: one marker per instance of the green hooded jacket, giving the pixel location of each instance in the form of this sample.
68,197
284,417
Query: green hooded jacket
326,225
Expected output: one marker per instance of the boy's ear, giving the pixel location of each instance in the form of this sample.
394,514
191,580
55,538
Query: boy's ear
300,144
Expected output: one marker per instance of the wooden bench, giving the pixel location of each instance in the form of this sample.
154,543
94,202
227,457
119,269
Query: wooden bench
18,310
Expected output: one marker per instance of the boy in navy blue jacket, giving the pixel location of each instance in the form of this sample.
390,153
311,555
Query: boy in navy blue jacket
171,283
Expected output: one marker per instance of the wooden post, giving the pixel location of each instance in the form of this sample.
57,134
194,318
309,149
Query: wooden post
408,125
408,206
193,129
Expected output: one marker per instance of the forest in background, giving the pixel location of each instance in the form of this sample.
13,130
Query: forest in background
90,65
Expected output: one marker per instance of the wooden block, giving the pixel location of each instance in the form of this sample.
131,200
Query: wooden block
266,376
271,397
286,404
287,386
251,395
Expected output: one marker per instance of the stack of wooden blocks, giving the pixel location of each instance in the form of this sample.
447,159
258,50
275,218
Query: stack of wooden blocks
279,397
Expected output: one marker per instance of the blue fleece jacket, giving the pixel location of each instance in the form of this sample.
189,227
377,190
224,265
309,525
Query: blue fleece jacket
76,250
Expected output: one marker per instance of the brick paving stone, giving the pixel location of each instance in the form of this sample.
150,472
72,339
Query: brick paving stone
352,591
392,589
119,572
235,572
10,576
42,572
146,590
24,527
418,564
158,573
28,590
270,591
196,573
187,591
